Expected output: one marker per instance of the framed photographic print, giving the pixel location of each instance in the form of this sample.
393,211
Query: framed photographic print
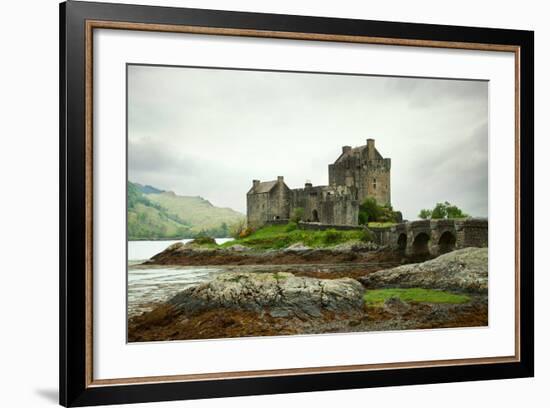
256,203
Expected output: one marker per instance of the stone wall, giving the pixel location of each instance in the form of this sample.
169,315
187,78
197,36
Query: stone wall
256,209
378,181
326,204
323,227
472,233
317,226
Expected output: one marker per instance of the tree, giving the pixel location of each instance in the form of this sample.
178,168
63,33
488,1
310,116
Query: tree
297,214
444,210
425,214
224,230
369,211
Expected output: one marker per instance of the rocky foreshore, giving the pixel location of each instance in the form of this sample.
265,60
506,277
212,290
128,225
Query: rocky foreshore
187,255
269,302
462,270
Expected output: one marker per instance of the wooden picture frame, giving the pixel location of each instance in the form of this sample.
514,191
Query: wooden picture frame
78,20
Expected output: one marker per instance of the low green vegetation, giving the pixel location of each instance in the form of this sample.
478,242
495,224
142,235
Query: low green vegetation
370,211
381,224
444,210
297,215
282,236
377,297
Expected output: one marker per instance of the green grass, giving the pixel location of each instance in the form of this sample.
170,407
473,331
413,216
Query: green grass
381,224
377,297
279,236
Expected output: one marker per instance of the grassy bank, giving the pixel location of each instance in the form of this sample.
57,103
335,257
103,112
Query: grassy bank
377,297
282,236
381,224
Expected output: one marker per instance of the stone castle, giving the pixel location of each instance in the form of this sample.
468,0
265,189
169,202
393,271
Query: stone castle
358,173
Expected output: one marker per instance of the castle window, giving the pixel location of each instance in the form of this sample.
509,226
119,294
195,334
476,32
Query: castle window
374,184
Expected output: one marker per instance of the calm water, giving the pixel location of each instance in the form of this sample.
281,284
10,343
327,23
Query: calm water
148,285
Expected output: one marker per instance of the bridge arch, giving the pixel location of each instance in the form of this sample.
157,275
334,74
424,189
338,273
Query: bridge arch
420,244
447,242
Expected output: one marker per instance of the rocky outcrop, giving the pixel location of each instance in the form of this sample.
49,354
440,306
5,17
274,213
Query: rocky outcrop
462,270
238,248
185,255
278,294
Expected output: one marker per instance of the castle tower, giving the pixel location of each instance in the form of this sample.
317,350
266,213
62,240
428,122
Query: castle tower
364,170
266,201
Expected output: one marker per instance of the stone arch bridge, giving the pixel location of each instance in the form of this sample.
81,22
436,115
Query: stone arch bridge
433,237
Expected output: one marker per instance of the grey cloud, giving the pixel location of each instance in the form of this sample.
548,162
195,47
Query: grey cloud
210,132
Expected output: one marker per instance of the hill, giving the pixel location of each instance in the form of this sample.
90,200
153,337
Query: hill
147,189
164,215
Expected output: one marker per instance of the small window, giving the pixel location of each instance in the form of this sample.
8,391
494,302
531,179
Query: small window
374,184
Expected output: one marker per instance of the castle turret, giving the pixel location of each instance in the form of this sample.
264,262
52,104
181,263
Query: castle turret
371,150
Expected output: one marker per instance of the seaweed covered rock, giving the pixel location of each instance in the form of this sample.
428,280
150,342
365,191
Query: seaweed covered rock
278,294
462,270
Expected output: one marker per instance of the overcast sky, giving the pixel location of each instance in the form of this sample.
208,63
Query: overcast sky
209,132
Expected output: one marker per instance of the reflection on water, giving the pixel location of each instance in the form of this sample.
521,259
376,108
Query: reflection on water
148,285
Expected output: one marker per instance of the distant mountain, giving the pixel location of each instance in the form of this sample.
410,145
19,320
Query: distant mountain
147,189
158,214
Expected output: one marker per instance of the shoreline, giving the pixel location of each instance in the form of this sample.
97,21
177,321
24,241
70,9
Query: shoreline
309,291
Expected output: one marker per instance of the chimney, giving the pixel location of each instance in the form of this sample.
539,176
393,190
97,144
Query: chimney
255,183
346,149
280,179
370,149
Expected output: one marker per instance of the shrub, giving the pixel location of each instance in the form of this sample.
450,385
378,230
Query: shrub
236,229
370,211
291,226
297,215
246,232
366,236
332,236
204,240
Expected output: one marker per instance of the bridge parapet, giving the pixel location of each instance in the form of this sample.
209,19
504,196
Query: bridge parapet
433,237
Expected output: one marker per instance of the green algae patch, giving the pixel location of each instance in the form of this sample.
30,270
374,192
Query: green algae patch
377,297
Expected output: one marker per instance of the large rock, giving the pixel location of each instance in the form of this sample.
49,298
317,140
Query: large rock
462,270
279,294
298,247
238,248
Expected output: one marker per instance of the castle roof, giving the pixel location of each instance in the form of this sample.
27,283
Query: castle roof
357,151
263,187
